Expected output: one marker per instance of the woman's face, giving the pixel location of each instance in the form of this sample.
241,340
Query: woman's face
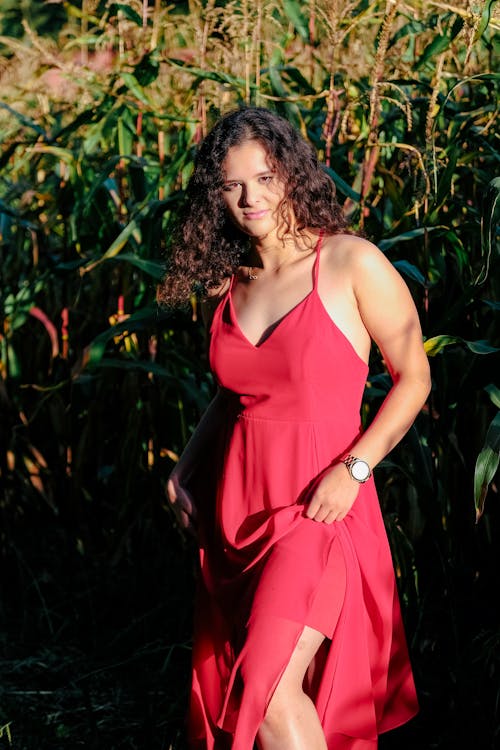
252,190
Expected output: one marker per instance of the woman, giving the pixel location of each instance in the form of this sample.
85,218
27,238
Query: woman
298,637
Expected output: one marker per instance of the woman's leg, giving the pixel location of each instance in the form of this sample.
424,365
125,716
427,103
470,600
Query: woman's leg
291,721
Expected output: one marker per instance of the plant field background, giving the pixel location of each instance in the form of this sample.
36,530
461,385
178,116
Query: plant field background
102,106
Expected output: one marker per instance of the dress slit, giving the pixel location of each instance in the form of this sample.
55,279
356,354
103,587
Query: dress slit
273,632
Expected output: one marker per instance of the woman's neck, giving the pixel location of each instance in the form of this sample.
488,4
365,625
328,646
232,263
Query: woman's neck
270,253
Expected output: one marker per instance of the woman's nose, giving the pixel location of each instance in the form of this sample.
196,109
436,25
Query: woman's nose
249,195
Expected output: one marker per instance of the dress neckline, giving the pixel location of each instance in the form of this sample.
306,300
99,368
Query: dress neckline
269,331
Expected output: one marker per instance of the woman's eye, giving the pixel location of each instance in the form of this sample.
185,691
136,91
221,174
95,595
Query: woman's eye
230,186
266,178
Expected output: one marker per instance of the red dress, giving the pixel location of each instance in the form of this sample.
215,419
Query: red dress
293,405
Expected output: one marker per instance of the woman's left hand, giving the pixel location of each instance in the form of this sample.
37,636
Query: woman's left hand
334,495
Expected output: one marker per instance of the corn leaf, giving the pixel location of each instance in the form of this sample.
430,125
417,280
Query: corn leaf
117,245
410,270
294,14
138,321
436,344
152,268
485,19
342,185
407,236
126,11
494,393
27,121
440,43
491,215
136,89
487,465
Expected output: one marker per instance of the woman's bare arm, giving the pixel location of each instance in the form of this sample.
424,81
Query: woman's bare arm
389,316
209,425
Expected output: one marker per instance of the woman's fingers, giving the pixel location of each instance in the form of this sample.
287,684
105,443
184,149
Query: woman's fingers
322,507
324,514
170,490
182,504
318,511
313,508
332,516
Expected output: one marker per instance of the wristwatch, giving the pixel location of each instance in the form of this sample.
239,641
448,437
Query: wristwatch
357,468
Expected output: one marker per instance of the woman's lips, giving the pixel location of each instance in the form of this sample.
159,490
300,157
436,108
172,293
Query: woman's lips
255,214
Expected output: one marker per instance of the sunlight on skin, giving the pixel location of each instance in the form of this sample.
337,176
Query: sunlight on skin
291,719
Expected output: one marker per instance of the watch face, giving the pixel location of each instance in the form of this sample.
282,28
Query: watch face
360,470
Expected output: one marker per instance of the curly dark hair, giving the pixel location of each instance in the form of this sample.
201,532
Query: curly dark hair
205,245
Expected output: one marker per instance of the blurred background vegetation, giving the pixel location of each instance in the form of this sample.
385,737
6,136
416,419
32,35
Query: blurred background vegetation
102,107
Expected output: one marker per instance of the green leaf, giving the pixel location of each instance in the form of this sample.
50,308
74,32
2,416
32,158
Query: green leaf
26,121
481,347
460,253
276,82
296,18
287,109
446,177
70,265
101,178
117,245
494,393
489,222
342,185
146,71
485,19
487,465
410,29
411,271
210,75
6,209
140,320
491,303
135,88
138,364
88,115
303,86
407,236
126,11
151,267
13,363
64,154
377,386
436,344
6,156
126,133
440,43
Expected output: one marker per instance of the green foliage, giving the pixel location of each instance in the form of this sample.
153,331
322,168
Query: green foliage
99,389
42,17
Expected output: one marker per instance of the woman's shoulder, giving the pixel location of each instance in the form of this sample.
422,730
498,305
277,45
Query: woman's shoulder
351,252
349,247
359,265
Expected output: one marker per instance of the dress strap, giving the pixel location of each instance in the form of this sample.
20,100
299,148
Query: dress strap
316,260
229,291
218,304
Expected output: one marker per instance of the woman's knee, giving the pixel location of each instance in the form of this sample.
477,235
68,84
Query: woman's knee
279,708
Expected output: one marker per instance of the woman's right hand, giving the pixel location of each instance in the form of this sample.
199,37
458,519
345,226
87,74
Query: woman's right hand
182,503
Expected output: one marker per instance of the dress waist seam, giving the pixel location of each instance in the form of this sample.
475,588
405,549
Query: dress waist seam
310,420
